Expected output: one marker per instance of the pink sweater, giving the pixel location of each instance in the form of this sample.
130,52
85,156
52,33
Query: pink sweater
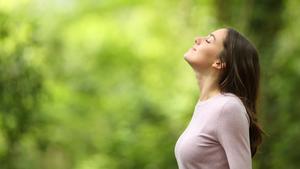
217,137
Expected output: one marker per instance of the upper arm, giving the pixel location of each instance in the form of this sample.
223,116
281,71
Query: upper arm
233,135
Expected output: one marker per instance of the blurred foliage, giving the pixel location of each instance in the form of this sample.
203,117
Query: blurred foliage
103,84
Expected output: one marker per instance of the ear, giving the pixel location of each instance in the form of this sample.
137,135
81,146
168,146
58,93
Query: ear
218,64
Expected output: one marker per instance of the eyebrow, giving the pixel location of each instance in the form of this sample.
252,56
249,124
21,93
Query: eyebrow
213,36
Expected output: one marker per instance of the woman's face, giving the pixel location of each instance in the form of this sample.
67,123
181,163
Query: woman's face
205,51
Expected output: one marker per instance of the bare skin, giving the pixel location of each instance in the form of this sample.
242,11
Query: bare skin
203,58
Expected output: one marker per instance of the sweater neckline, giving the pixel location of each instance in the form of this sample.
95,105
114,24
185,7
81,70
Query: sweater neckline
209,99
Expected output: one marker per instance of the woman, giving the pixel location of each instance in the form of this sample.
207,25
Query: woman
223,132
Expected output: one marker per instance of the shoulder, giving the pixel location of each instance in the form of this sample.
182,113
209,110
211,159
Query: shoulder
231,102
232,108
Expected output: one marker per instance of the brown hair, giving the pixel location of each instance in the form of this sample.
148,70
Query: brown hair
240,76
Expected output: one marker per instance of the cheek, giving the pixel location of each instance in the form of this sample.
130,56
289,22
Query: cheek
202,58
206,56
209,53
196,59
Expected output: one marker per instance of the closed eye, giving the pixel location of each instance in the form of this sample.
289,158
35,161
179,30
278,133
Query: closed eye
210,38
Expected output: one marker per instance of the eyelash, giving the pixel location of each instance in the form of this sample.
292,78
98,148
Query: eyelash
207,41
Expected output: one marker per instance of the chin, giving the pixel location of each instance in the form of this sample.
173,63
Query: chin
186,56
188,60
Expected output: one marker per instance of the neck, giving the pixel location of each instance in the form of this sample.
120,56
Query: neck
208,86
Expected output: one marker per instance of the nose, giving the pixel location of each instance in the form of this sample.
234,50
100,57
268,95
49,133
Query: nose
198,40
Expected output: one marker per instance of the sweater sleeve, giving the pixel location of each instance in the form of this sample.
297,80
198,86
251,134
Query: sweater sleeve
233,135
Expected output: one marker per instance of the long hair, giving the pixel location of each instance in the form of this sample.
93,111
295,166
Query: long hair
240,76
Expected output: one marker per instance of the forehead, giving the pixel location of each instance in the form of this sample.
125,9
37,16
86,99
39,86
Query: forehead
220,34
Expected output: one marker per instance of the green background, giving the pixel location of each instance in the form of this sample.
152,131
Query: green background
102,84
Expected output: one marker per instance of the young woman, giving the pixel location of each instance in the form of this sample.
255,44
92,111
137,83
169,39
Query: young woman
223,132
